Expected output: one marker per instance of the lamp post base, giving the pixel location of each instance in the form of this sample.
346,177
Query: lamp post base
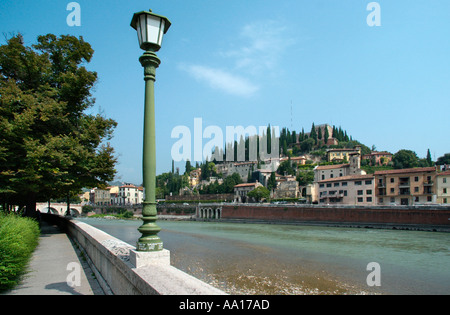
149,241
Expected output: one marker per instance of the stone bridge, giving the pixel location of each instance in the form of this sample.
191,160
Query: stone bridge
59,208
209,211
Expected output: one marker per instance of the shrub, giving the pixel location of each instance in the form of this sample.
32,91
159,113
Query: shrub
19,237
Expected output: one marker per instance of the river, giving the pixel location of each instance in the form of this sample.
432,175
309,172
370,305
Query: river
286,259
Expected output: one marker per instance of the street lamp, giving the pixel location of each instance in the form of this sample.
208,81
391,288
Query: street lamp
150,28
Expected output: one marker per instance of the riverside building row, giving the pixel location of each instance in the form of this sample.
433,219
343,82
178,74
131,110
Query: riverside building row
414,186
125,195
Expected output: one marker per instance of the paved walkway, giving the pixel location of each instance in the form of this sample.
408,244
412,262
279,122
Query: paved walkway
55,264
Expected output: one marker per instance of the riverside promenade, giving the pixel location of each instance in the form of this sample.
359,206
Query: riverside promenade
55,263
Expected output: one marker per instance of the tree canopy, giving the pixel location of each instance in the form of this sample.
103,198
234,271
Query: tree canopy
49,146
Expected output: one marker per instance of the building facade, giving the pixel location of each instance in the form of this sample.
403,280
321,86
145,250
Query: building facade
342,154
378,158
443,188
241,191
406,186
324,172
348,190
130,194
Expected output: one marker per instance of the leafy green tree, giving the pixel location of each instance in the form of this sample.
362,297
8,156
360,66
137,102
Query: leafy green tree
230,182
405,159
286,168
307,145
445,159
259,193
50,147
305,177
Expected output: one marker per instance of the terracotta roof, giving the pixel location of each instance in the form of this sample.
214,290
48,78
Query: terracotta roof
406,171
443,173
343,149
378,153
347,178
245,185
128,186
330,167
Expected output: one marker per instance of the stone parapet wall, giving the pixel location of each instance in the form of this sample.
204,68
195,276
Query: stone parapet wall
112,261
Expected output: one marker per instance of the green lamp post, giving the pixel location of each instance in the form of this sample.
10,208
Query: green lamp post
150,29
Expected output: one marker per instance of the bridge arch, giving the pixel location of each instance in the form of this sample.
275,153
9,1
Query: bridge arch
59,208
208,211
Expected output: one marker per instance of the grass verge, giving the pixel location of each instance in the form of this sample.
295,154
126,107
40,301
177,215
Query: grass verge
19,237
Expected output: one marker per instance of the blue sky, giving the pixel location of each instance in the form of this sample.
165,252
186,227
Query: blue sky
246,62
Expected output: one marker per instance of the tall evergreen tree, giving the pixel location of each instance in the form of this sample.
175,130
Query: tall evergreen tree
429,160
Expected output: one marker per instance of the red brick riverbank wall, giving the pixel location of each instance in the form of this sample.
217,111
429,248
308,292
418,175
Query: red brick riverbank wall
338,214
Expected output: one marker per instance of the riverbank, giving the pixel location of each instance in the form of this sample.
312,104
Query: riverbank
357,225
300,259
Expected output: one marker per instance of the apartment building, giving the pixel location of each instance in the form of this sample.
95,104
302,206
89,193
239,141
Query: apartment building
348,190
406,186
130,194
443,188
100,197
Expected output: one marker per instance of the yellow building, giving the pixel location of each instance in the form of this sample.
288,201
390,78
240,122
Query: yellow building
443,187
342,154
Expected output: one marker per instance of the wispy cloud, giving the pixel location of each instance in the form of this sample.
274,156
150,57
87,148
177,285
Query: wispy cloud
256,50
222,80
261,45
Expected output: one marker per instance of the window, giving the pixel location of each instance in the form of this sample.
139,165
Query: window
368,182
336,184
429,198
380,200
322,185
444,180
323,177
392,199
344,184
392,180
444,190
360,199
358,183
417,199
416,179
369,199
328,185
360,192
445,200
369,191
416,189
392,190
